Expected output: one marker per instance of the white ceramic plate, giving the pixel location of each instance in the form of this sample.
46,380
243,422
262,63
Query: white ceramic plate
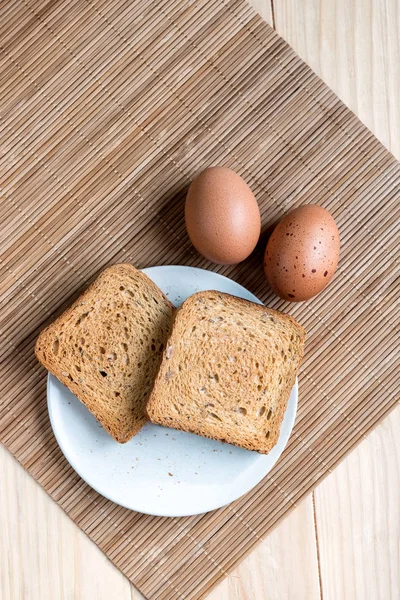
162,471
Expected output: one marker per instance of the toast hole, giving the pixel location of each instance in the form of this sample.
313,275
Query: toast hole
179,367
292,337
215,377
153,347
80,319
124,346
103,373
214,416
241,411
56,346
129,293
102,350
261,411
117,394
77,367
70,378
161,347
280,379
209,405
239,349
154,300
176,408
285,357
121,287
203,390
269,415
257,365
267,435
112,356
194,328
259,387
273,360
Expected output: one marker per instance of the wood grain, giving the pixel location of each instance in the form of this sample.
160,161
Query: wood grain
355,48
264,8
358,522
45,556
366,95
283,566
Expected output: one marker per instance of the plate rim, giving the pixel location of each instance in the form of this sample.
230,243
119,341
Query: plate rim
168,513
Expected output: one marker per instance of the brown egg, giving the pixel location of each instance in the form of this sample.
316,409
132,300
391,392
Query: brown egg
222,216
302,253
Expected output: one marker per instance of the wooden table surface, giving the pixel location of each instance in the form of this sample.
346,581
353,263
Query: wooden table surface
343,541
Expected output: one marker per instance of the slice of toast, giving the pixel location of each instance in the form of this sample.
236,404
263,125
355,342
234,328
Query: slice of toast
107,347
227,371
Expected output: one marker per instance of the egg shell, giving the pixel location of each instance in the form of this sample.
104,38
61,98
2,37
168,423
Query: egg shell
222,216
302,253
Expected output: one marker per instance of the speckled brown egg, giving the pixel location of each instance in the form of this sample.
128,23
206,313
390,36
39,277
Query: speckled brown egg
222,216
302,253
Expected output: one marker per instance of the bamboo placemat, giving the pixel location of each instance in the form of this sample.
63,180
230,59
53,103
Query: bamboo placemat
108,110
